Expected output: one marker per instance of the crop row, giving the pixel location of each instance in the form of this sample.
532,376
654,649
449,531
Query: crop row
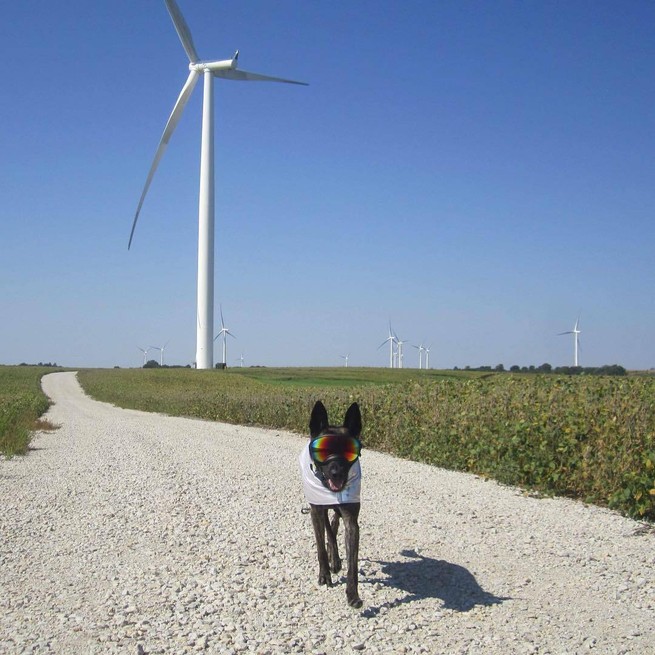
591,438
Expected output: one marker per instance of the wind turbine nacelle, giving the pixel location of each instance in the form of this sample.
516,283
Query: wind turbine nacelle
225,64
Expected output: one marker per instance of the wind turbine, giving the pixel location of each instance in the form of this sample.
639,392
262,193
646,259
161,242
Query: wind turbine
346,357
392,340
225,69
576,341
145,354
241,361
399,350
161,352
420,355
427,358
224,332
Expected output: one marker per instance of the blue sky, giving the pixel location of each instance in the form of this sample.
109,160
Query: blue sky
478,173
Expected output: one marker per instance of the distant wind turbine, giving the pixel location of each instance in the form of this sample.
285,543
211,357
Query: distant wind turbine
420,349
399,351
576,341
145,354
224,332
392,340
225,69
427,357
346,357
161,352
241,361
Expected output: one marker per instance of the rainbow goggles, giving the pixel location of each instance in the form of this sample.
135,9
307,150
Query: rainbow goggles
334,445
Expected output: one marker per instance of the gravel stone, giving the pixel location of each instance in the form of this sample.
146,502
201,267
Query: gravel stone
129,532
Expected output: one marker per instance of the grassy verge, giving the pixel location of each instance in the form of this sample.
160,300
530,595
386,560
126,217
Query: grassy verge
22,403
585,437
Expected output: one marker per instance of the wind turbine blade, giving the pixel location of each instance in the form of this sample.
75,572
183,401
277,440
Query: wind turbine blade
173,120
559,334
182,30
245,76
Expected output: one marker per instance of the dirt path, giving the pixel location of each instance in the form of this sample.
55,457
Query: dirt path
128,532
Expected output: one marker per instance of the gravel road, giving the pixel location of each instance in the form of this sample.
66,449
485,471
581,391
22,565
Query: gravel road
129,532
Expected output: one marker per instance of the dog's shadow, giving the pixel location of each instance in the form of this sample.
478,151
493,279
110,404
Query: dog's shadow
423,577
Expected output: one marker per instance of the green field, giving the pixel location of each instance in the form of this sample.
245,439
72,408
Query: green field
587,437
21,404
269,397
344,376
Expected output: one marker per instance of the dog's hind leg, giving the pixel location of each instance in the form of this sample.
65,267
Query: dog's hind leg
320,523
332,529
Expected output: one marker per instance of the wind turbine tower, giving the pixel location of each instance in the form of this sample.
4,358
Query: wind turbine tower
224,332
576,341
399,350
145,354
161,356
392,340
225,69
161,352
420,355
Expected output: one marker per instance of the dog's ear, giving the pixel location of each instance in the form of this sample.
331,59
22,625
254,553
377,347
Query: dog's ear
318,420
353,420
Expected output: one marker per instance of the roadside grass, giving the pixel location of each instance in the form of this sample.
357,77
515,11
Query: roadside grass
22,403
585,437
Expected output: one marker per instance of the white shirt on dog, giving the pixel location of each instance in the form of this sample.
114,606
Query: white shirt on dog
317,493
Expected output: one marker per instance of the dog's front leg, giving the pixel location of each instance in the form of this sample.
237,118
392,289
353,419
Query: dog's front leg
350,513
332,529
319,521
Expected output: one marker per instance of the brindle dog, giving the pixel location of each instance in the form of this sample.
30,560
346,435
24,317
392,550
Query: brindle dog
334,476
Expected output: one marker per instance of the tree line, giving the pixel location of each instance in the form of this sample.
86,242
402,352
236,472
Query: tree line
608,369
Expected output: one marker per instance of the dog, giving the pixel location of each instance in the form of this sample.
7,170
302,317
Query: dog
331,476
